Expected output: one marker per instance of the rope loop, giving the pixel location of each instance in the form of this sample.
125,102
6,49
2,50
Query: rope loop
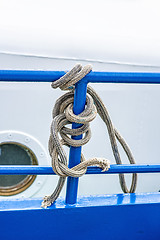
72,77
63,115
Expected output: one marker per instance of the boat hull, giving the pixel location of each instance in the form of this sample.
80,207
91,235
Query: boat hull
122,216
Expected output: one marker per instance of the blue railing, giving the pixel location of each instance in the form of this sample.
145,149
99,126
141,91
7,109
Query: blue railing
79,104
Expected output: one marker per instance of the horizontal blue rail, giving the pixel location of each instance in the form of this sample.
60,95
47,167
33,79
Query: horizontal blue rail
47,170
101,77
79,105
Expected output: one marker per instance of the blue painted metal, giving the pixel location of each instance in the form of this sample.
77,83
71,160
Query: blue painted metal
79,103
123,77
101,77
47,170
75,152
102,217
121,216
30,76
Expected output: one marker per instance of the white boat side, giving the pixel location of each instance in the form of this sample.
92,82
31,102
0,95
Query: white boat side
121,38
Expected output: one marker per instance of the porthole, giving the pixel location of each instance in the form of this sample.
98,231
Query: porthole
12,153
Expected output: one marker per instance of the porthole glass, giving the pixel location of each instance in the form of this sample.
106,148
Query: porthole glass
15,154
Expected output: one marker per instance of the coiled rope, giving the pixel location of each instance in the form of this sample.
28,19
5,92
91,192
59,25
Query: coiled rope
63,115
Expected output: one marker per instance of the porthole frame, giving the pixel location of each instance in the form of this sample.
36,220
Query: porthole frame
27,181
34,184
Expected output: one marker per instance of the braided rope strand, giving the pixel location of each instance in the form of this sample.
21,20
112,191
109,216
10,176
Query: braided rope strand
63,115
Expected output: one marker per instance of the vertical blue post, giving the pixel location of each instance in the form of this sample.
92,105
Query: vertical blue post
75,152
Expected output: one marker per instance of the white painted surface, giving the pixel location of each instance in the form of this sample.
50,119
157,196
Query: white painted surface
105,30
108,34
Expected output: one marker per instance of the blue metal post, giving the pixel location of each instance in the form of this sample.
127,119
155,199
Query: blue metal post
75,152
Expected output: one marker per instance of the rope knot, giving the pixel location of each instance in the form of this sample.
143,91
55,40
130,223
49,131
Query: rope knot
63,115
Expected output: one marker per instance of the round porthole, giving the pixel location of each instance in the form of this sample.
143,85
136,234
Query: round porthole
19,148
15,154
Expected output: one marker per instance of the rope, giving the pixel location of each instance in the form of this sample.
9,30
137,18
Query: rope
63,115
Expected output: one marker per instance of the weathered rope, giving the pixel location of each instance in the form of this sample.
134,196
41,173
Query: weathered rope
113,134
63,115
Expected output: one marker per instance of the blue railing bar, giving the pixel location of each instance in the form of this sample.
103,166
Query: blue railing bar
123,77
30,76
47,170
101,77
75,152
